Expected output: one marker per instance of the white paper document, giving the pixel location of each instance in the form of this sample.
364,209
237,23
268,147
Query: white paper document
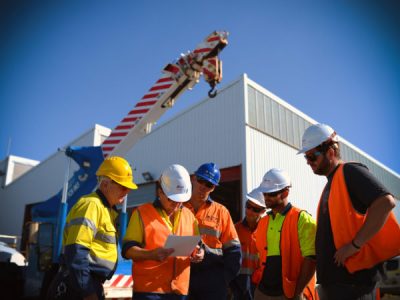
183,245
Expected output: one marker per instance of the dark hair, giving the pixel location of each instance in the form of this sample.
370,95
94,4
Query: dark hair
158,187
325,146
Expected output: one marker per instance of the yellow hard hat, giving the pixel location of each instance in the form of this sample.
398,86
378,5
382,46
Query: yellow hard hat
117,169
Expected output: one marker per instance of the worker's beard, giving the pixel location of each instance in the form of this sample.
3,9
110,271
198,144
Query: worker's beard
275,204
324,167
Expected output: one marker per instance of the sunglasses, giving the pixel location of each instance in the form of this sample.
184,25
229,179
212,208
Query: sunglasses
273,194
312,156
255,209
205,182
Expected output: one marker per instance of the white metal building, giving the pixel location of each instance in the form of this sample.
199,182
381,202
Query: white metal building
37,183
245,130
16,166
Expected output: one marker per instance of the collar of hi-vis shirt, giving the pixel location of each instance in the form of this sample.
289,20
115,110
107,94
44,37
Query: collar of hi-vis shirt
190,206
283,213
104,200
208,201
245,223
274,231
172,227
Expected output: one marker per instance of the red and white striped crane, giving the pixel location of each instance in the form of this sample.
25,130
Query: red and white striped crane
177,77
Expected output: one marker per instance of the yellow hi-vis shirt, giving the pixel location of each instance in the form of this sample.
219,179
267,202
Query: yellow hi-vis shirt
306,229
90,225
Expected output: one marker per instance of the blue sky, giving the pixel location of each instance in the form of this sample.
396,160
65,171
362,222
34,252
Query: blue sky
66,65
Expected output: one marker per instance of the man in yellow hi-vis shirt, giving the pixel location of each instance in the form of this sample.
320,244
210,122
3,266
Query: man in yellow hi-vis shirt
90,237
285,240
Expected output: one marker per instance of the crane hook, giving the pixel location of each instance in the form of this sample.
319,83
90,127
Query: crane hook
212,92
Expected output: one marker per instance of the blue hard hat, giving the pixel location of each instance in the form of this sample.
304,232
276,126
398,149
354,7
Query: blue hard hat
209,172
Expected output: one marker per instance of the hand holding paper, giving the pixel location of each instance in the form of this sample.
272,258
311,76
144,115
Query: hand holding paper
183,245
197,255
161,254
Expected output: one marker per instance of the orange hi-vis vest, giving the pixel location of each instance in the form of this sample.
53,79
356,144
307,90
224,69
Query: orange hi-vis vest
171,275
346,222
290,253
250,259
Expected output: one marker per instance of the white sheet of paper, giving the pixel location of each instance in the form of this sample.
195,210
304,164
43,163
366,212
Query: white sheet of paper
183,245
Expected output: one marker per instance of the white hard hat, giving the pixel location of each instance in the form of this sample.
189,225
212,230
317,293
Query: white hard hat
274,180
257,197
315,135
175,183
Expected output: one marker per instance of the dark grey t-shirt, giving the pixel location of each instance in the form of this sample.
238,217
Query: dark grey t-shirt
363,189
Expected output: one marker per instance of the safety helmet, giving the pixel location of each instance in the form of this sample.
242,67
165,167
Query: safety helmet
315,135
117,169
274,180
257,197
209,172
175,183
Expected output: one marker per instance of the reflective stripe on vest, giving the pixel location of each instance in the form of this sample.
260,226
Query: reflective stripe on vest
82,221
249,263
210,231
231,243
291,260
346,222
97,261
215,251
90,224
250,257
105,238
215,226
172,274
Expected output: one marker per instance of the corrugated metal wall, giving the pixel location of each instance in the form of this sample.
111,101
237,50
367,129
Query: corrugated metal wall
265,152
244,125
273,136
212,130
388,177
145,193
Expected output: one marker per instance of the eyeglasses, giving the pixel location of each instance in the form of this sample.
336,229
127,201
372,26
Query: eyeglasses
205,182
273,194
255,209
312,156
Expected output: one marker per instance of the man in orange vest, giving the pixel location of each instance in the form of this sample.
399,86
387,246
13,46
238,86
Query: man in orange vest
356,228
242,287
285,240
210,278
156,273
